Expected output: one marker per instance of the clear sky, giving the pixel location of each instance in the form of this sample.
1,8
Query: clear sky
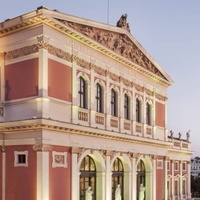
168,29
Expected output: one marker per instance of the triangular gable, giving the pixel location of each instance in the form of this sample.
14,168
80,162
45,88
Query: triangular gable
120,43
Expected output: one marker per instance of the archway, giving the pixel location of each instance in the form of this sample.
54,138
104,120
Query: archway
117,177
145,176
141,176
87,177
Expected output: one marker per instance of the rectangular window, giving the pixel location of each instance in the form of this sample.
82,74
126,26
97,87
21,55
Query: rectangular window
168,166
168,189
113,103
176,166
176,188
184,166
99,98
21,159
184,187
126,106
138,110
159,164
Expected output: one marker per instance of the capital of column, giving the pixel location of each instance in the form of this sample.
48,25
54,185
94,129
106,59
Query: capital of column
42,147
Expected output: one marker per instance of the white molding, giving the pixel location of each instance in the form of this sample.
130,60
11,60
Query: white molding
16,158
59,159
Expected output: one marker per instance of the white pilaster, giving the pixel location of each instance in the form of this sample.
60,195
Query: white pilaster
154,178
172,179
166,178
181,179
134,180
75,179
189,180
108,179
42,175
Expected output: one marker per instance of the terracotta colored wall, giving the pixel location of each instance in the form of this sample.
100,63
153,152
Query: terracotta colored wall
160,114
60,178
21,79
59,81
160,187
20,181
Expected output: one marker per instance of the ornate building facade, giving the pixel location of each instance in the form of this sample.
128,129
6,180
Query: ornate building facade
83,107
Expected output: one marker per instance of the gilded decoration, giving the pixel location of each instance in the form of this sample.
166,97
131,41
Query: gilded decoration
119,43
16,53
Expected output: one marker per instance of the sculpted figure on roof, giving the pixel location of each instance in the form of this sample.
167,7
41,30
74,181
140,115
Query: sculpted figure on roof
122,22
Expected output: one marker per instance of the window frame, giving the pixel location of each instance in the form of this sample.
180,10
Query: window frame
126,107
148,113
99,98
82,91
138,110
16,159
113,103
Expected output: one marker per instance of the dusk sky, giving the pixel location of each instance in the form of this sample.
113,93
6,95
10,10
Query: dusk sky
168,29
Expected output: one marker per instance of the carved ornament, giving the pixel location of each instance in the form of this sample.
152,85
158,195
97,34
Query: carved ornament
42,147
21,52
119,43
59,53
160,97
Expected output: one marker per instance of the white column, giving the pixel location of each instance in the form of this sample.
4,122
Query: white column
42,170
134,179
181,180
154,180
172,179
108,179
75,177
42,105
3,175
189,180
166,178
42,175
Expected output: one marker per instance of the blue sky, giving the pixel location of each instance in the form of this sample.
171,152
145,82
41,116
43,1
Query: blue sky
168,29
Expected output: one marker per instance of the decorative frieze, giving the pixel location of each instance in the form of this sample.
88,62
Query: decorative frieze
60,53
16,53
160,97
42,147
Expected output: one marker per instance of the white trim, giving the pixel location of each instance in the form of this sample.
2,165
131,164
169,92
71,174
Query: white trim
59,159
16,158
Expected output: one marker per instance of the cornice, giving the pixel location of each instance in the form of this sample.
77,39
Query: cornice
45,124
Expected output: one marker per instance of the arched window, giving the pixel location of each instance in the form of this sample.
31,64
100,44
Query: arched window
141,174
138,110
117,177
113,103
99,98
126,107
87,177
82,93
148,113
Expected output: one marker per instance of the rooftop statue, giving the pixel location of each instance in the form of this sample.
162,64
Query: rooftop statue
122,22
